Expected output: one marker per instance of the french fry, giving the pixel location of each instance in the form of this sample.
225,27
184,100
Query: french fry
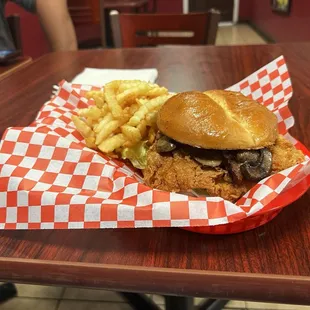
127,84
90,142
141,101
90,94
129,111
81,126
81,112
151,135
89,122
99,99
157,91
110,98
133,109
108,118
151,119
91,112
138,116
107,130
156,103
132,93
126,144
109,145
104,110
142,128
124,114
132,134
149,106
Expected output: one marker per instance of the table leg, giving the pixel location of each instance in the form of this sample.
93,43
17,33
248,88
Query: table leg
179,303
7,291
139,301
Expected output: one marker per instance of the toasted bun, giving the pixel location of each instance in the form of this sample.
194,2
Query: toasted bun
217,119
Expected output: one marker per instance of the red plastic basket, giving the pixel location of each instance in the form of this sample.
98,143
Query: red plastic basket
284,199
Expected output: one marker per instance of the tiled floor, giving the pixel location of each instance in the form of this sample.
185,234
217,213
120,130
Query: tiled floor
35,297
32,297
241,34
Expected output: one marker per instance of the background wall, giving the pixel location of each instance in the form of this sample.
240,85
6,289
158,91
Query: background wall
170,6
33,38
245,10
282,28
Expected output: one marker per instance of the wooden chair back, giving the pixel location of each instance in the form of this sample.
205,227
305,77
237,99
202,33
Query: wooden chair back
133,30
84,11
14,25
86,14
134,5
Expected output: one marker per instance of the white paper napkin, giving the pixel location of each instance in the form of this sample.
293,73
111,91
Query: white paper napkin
99,77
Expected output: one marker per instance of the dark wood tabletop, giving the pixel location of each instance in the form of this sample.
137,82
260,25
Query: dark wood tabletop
270,263
13,66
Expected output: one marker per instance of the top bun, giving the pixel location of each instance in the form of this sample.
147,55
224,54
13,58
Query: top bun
217,119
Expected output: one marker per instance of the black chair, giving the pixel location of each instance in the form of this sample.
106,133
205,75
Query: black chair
7,291
142,302
14,26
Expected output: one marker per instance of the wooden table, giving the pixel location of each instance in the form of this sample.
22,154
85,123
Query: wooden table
13,66
271,263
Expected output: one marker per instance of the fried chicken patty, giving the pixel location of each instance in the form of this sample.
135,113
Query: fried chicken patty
176,172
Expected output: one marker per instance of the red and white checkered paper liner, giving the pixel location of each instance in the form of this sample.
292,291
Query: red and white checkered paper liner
50,180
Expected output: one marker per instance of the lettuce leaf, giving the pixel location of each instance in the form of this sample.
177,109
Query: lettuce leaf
137,154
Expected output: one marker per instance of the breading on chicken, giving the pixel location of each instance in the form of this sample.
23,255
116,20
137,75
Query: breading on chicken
284,155
178,172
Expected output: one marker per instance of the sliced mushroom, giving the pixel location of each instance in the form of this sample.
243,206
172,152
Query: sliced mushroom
234,169
208,162
229,155
207,158
164,145
261,169
251,157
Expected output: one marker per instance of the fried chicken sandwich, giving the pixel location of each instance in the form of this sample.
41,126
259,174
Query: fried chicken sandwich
216,143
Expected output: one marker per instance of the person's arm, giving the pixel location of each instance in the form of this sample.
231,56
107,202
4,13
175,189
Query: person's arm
57,24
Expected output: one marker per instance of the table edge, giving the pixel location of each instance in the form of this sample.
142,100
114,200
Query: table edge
198,283
15,69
